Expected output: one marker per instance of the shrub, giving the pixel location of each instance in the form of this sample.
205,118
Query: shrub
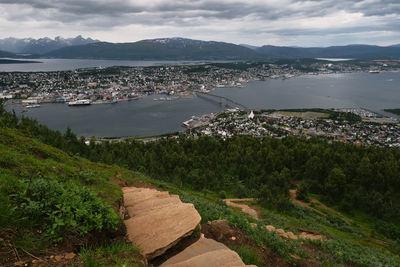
302,193
222,194
209,211
57,207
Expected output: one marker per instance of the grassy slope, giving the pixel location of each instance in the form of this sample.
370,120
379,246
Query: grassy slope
23,158
348,244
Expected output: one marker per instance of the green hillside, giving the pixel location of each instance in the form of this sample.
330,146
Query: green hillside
54,201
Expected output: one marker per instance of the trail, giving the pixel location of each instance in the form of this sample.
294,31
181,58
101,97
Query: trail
245,208
304,204
167,231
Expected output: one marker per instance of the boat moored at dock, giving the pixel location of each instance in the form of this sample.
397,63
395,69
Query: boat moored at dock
82,102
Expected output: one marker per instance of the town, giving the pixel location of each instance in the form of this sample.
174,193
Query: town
357,126
110,85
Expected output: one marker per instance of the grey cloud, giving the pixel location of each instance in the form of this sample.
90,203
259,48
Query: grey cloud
193,14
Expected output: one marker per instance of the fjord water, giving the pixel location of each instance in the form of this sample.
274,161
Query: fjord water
365,90
143,117
51,64
147,117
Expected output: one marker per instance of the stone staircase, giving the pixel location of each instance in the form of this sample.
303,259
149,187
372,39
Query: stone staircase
157,221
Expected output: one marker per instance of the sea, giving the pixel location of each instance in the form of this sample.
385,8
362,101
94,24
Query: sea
147,117
52,64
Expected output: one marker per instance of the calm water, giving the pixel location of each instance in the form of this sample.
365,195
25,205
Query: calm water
143,117
147,117
71,64
371,91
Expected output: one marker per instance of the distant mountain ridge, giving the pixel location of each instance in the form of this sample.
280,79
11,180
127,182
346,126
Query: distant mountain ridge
181,49
42,45
159,49
7,54
348,51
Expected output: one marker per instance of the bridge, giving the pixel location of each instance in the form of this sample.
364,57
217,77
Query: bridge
221,99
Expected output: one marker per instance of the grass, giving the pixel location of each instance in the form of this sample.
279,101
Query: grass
46,194
249,256
347,242
118,254
27,164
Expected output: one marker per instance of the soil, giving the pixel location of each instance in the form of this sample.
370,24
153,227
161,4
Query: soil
233,237
61,254
242,204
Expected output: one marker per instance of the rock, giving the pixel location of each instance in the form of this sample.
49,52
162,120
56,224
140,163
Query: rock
305,235
70,256
152,204
283,235
292,236
132,197
280,231
59,257
205,252
270,228
158,221
295,257
220,229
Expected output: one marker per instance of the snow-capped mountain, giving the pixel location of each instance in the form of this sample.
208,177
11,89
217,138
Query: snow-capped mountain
42,45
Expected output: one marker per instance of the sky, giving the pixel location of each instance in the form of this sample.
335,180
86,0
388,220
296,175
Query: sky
255,22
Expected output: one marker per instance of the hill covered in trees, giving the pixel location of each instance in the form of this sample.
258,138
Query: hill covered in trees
158,49
48,185
6,54
348,51
353,178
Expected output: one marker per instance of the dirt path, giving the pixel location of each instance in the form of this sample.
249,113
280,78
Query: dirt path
231,202
323,206
304,204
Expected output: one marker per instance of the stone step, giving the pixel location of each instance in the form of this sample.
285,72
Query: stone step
152,204
132,198
205,252
159,221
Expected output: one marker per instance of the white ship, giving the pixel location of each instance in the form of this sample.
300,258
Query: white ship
33,106
82,102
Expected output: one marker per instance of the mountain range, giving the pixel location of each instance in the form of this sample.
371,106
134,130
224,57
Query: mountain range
42,45
4,54
348,51
181,49
159,49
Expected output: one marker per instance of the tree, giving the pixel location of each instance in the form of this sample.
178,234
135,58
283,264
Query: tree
335,184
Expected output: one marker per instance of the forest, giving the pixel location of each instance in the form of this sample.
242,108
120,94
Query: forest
349,177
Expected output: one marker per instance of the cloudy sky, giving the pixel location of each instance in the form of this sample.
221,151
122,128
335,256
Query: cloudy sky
255,22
